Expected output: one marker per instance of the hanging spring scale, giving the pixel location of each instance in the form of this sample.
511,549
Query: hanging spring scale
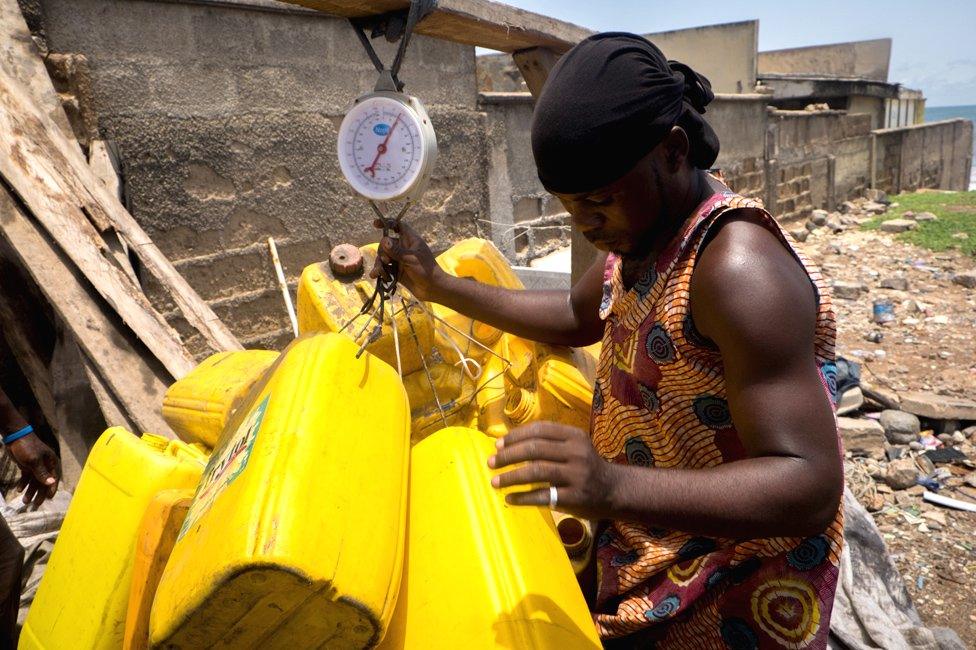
387,147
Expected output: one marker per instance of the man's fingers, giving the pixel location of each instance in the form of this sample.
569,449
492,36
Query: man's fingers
30,492
543,430
408,234
538,472
41,473
39,495
528,450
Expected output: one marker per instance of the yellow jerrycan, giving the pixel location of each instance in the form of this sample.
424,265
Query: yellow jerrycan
198,406
295,535
82,599
479,573
154,542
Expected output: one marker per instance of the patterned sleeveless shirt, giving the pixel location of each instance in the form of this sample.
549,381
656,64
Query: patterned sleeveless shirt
660,402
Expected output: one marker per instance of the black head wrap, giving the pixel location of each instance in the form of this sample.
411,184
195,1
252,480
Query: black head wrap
607,103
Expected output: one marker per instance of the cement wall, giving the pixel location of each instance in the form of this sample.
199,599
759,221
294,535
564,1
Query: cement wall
936,154
527,221
226,117
818,160
861,59
740,122
497,73
873,106
726,53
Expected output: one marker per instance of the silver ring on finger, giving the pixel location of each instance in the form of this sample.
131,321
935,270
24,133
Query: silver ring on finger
553,497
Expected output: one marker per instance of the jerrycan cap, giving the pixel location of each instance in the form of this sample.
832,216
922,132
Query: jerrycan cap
346,260
155,441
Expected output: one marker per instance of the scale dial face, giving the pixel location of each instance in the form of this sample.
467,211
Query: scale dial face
385,147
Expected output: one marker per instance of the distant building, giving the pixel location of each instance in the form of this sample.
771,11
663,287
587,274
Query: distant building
851,77
802,129
726,53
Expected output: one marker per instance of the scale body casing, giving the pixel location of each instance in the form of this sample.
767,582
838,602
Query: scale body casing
401,124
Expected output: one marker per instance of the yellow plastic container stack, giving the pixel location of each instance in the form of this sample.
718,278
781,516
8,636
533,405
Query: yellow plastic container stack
519,380
479,573
295,535
198,406
82,600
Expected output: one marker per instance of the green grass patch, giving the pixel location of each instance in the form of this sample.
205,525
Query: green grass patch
956,212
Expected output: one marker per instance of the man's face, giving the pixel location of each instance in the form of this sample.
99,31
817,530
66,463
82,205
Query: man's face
621,216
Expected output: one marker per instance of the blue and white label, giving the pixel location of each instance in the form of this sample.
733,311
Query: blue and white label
381,129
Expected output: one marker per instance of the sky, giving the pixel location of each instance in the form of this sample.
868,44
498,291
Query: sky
934,46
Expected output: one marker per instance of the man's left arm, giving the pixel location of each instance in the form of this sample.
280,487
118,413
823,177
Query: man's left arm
753,299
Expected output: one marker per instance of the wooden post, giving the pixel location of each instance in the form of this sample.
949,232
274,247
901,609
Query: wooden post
535,64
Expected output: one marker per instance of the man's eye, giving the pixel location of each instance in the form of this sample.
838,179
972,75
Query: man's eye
600,200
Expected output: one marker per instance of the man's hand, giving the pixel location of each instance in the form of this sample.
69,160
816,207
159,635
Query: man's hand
555,455
39,468
419,271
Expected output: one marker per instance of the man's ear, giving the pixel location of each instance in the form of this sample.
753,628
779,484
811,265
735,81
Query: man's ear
676,146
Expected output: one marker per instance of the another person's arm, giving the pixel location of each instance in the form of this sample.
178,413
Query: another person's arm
752,298
558,317
37,462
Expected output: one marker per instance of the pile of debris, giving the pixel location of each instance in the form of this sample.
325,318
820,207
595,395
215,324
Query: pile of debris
908,419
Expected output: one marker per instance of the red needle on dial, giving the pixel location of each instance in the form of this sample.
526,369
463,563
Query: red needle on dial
381,149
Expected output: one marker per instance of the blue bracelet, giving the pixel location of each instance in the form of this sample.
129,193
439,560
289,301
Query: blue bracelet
17,435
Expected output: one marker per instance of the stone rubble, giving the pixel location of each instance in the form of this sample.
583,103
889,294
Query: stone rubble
912,426
898,225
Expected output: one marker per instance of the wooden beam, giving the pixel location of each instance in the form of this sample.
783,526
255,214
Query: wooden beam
105,165
472,22
21,61
535,64
134,380
36,177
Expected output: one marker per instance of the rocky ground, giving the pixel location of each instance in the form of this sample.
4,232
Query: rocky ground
910,429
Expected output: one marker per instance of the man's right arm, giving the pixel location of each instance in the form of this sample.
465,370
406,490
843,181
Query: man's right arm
557,317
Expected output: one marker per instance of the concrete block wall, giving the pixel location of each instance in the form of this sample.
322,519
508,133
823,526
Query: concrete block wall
226,117
937,155
740,122
817,159
527,221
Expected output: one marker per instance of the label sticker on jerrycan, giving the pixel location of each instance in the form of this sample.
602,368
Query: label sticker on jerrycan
226,464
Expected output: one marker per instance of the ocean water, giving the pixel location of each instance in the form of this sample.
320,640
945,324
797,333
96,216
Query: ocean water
936,113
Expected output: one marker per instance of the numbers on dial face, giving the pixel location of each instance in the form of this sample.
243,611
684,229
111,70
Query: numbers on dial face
381,149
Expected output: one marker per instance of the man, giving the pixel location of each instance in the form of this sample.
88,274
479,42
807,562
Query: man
712,462
39,480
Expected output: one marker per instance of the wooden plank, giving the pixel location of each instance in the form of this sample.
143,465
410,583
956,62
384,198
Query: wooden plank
472,22
136,382
20,60
535,64
36,178
105,165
